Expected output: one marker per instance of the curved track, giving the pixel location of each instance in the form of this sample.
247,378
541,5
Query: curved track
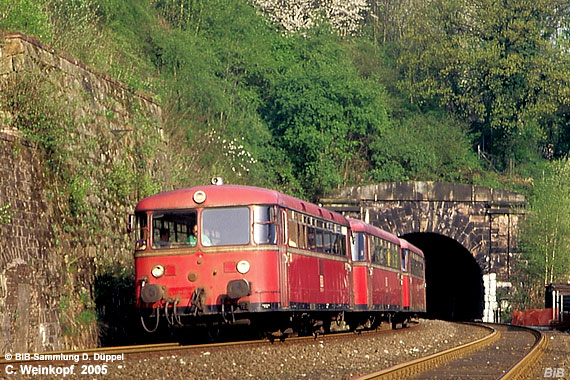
504,354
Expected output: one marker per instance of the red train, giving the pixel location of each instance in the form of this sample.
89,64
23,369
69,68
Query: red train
236,254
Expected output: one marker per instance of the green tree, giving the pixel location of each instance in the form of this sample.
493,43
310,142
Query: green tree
430,146
323,115
496,64
545,234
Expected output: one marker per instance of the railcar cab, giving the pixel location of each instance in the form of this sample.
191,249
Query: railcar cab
229,254
207,251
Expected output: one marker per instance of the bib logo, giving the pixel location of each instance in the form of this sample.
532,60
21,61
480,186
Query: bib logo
554,373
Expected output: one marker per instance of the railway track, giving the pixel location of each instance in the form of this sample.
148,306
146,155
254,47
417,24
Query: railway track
346,355
158,348
504,354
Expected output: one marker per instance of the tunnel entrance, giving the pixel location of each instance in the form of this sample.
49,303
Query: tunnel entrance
454,289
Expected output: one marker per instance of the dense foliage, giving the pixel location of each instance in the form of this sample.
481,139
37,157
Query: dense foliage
319,94
545,235
303,112
501,66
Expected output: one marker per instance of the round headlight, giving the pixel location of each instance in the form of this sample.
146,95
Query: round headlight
199,196
157,271
243,267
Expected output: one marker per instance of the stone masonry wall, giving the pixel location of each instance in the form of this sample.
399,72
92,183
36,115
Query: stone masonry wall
483,220
29,273
51,258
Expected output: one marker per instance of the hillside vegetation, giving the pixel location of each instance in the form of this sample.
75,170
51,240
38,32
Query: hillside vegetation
307,96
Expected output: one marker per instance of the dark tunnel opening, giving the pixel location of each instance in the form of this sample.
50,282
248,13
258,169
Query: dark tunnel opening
454,283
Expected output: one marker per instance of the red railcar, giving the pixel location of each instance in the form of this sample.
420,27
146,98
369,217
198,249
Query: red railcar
413,267
381,276
227,254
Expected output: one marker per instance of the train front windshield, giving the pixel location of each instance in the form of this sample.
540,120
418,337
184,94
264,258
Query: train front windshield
211,227
173,229
225,226
231,226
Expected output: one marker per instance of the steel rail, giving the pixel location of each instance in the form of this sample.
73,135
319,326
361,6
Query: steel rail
407,369
417,366
536,351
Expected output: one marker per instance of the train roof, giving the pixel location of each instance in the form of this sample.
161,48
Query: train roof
360,226
232,195
407,245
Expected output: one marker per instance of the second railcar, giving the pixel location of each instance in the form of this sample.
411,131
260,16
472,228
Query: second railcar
388,277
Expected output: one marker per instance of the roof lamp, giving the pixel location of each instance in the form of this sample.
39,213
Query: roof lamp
199,196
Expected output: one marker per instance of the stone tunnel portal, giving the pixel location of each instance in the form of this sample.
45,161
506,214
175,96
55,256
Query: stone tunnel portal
454,282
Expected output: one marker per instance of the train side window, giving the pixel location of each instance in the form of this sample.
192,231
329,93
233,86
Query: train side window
141,232
293,230
319,240
264,225
372,250
405,260
358,244
381,253
311,238
302,232
341,240
327,242
393,255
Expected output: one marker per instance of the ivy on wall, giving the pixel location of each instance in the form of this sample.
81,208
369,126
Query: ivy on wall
94,176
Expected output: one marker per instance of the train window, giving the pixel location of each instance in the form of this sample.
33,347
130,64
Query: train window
141,233
405,260
341,244
394,255
225,226
417,266
173,229
327,242
358,247
303,236
319,240
311,239
264,225
293,230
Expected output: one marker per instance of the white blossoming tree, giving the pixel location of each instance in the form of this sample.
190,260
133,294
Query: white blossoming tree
345,16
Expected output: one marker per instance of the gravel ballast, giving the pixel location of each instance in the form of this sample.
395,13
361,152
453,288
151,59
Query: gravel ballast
555,362
322,358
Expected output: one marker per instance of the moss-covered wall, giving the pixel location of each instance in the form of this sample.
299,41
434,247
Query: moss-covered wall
77,150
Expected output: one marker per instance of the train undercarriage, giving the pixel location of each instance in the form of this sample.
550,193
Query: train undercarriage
272,324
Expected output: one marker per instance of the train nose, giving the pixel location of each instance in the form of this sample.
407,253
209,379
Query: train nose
238,289
152,293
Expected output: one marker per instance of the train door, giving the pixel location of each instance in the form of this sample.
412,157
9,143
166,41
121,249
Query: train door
406,289
361,294
284,260
370,272
349,268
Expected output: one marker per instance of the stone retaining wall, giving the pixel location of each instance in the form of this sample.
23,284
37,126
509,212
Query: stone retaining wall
47,273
